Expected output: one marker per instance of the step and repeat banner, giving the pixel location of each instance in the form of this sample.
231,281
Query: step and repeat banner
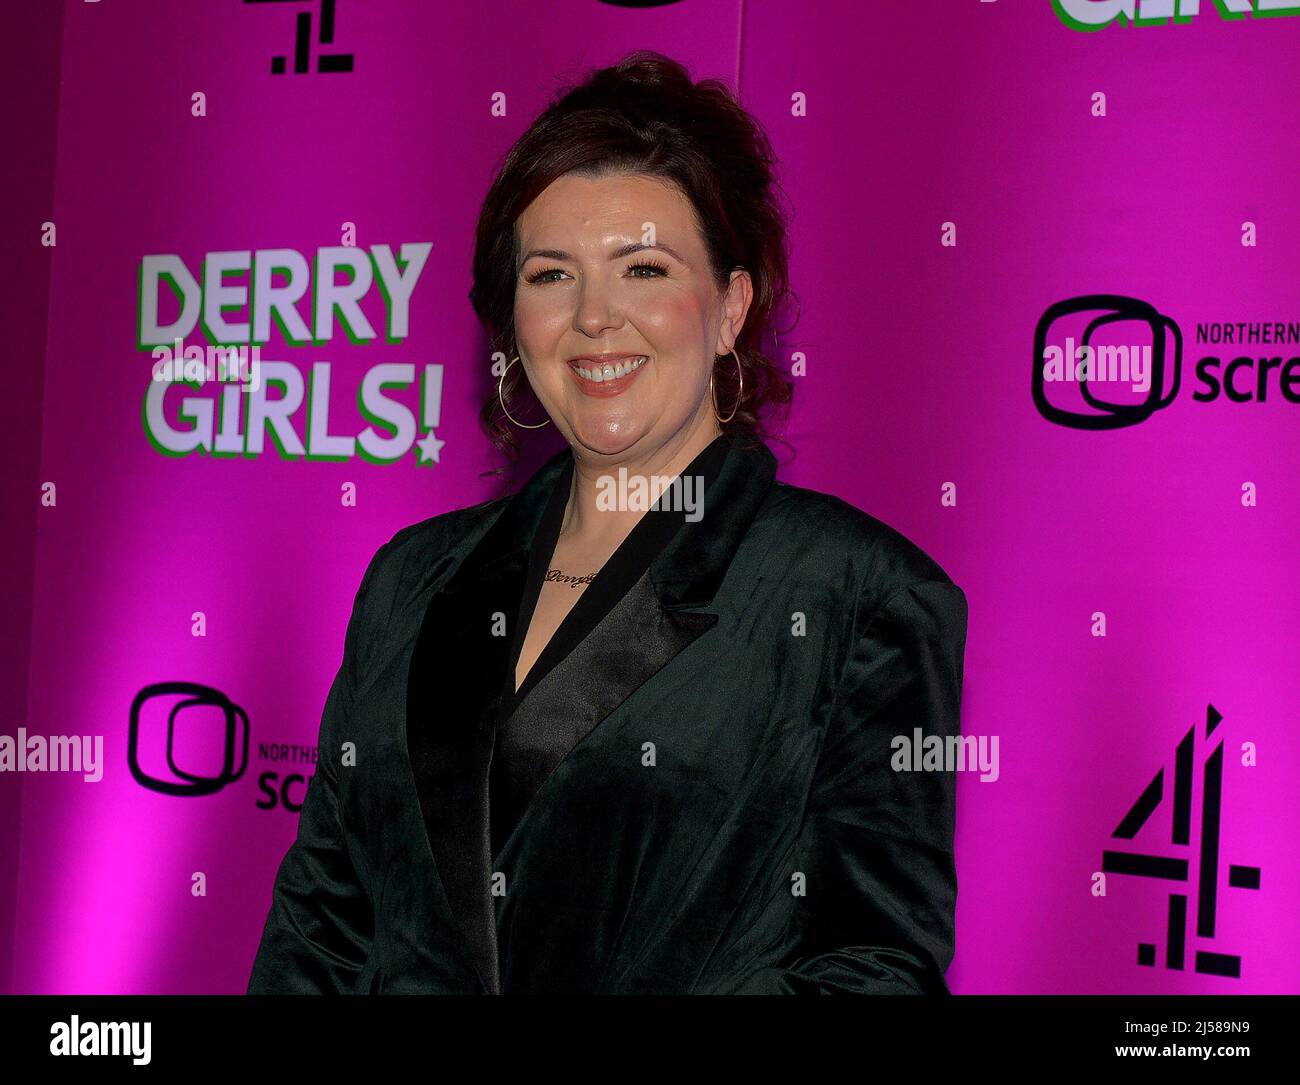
1047,254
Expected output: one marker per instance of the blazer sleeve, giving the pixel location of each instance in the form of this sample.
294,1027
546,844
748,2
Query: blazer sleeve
876,844
319,930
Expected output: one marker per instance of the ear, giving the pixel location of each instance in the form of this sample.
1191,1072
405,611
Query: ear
735,305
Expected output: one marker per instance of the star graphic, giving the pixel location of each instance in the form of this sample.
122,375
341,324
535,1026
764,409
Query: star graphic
429,449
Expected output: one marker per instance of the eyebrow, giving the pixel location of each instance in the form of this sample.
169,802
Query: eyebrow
617,254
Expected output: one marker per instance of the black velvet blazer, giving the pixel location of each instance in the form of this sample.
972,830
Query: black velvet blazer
726,818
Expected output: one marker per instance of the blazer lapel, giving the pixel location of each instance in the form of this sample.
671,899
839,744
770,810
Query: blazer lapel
459,662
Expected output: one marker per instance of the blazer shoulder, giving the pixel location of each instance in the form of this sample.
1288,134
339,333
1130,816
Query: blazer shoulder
876,558
436,535
417,550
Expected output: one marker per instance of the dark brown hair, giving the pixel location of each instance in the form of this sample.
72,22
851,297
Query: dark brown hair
645,116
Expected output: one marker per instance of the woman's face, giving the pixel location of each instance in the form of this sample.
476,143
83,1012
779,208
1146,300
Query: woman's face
617,266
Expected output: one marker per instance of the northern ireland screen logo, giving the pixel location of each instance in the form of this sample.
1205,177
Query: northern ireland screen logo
187,740
1107,361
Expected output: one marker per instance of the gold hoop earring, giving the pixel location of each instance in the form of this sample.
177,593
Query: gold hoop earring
500,385
739,396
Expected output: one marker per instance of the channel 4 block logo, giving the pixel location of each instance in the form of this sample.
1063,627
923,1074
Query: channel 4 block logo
186,739
325,62
1102,361
1198,863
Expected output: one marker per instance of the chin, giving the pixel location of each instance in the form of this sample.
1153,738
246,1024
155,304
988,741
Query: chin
608,438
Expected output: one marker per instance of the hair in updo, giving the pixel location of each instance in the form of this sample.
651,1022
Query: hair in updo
645,116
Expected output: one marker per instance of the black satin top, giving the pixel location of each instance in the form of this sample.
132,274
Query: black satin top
524,753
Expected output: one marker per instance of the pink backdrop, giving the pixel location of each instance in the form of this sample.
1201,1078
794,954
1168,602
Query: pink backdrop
918,360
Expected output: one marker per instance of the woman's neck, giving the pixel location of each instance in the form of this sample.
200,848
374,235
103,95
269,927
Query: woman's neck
608,499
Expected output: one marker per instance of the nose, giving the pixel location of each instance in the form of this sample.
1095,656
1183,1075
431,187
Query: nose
597,311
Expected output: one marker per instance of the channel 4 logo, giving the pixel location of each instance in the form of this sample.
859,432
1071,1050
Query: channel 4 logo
204,721
1201,862
1118,376
325,62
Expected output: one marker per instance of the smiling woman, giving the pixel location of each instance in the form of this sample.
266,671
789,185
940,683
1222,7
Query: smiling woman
663,319
581,746
636,217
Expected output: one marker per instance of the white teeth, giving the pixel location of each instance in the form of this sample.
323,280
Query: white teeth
612,372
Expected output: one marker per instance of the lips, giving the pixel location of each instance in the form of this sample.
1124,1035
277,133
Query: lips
606,375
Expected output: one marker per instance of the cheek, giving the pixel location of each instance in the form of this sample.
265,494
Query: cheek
673,320
533,314
540,326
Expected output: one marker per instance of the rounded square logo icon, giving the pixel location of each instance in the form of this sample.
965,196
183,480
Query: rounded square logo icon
1088,378
222,741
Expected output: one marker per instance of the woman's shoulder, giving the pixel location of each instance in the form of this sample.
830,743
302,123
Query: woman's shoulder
414,553
435,535
876,558
408,559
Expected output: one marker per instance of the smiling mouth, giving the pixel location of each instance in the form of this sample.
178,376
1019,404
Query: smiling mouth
607,380
598,374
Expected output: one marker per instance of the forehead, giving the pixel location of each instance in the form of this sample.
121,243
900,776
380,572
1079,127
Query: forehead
589,211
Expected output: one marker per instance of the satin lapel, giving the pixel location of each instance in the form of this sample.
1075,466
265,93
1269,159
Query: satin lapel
458,665
690,570
637,639
457,670
658,619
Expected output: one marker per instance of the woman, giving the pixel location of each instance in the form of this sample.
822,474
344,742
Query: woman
579,746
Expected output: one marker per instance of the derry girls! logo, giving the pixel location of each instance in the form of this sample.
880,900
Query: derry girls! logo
224,399
1095,14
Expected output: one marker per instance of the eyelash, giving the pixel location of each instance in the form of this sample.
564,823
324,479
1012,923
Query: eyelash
661,268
